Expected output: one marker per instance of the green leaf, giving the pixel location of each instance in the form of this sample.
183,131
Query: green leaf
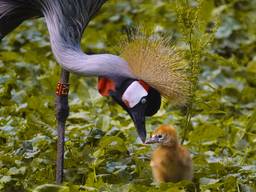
5,179
51,188
251,121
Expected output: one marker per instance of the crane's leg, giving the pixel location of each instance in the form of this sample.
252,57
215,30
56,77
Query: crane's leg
62,111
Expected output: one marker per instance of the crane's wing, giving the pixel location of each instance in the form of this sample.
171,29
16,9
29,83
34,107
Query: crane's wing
73,13
12,13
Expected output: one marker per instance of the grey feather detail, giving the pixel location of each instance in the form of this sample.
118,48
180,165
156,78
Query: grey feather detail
66,21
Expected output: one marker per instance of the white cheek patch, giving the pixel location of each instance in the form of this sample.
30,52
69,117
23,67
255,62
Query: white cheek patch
133,94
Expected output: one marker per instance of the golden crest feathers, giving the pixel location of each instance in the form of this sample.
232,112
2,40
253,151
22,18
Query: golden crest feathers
156,61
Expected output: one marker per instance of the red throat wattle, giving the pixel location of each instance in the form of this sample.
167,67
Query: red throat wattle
106,85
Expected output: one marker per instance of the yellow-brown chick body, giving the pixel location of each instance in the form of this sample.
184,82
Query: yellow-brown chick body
170,161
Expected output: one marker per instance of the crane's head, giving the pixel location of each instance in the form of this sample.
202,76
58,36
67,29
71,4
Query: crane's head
136,97
164,135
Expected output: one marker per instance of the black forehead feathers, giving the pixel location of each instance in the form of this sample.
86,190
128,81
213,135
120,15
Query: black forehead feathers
125,84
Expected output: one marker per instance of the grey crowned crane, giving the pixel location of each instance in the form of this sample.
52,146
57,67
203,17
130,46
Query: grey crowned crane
146,68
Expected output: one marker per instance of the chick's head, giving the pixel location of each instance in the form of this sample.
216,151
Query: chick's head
164,135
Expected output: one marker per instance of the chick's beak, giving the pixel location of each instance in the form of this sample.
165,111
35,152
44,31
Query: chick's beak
152,140
138,116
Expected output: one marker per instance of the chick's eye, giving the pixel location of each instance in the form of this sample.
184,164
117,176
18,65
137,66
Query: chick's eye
160,136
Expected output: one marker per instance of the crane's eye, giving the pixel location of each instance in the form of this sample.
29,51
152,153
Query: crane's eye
143,100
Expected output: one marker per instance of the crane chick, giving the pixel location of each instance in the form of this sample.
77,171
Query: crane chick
170,161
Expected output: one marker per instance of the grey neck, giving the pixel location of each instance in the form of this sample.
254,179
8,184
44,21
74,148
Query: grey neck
65,34
74,60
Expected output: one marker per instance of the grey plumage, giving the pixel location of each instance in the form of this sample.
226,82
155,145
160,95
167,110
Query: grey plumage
66,21
74,14
69,17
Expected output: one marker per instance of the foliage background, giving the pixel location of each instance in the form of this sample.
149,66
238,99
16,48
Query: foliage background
102,152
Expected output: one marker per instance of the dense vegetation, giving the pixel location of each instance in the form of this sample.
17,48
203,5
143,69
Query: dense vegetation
102,152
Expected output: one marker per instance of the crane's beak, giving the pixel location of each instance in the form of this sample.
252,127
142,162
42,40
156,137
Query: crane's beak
138,116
